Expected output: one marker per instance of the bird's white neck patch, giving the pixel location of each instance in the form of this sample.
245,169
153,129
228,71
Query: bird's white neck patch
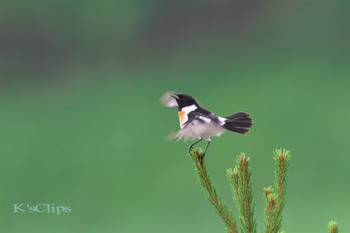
183,114
189,109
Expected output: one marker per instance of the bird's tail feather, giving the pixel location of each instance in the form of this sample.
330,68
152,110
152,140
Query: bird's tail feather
239,122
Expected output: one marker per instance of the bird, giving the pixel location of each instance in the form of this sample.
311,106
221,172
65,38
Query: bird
199,123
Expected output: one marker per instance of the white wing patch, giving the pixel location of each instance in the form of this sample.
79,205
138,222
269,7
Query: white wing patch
205,119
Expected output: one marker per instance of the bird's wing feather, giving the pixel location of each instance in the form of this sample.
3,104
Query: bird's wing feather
198,127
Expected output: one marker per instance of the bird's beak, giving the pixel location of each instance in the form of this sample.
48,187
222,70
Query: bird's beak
169,99
175,96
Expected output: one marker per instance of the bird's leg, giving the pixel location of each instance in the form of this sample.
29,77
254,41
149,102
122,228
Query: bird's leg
201,157
206,148
191,146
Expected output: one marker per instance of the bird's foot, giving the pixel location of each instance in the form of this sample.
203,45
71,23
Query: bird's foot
190,149
201,157
197,152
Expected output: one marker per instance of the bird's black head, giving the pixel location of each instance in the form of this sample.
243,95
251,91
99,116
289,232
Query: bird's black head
184,100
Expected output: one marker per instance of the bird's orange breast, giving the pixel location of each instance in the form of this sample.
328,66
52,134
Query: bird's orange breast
182,117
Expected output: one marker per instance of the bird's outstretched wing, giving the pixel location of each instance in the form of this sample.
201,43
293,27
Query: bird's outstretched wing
198,127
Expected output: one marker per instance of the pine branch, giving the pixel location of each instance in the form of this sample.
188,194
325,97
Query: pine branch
241,186
214,198
271,222
240,180
281,158
274,199
333,227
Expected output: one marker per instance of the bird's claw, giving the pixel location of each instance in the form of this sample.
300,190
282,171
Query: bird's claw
190,149
201,157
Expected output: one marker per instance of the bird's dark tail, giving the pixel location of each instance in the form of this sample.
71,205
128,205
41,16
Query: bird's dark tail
239,122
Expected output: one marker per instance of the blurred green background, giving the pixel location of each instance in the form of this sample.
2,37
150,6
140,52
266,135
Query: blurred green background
81,124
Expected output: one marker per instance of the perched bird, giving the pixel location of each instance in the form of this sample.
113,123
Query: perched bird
199,123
